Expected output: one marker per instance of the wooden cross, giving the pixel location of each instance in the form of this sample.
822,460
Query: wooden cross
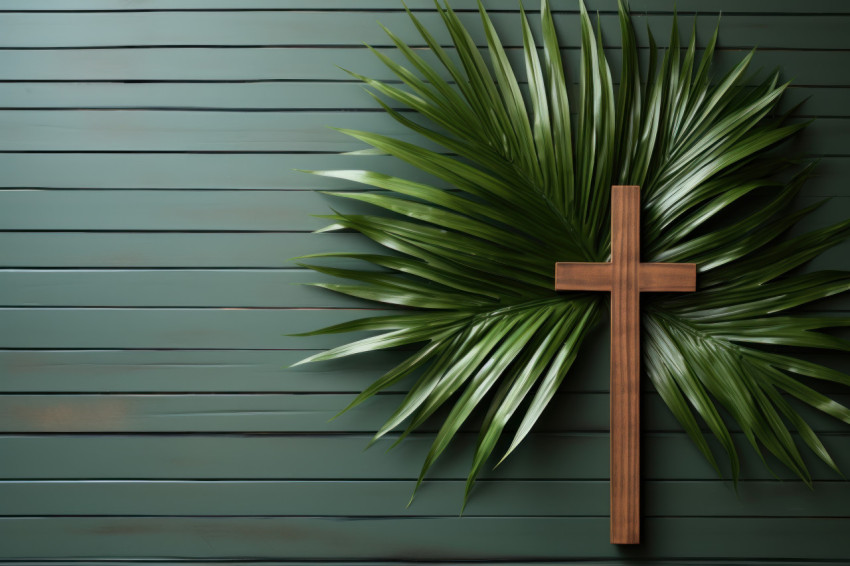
625,277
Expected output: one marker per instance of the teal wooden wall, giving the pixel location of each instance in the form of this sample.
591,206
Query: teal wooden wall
148,211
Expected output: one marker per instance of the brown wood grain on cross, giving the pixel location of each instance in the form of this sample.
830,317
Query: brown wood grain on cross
625,277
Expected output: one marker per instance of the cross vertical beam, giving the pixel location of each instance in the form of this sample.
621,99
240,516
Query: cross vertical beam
625,366
625,277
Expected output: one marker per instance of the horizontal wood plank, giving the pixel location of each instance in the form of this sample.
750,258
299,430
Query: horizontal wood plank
177,249
414,538
254,211
156,130
268,96
268,412
565,456
811,68
125,130
382,498
201,211
122,171
205,171
43,371
259,413
231,328
151,371
684,6
170,288
259,288
303,28
240,371
199,171
212,249
181,328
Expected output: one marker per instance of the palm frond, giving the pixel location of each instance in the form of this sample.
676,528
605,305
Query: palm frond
471,267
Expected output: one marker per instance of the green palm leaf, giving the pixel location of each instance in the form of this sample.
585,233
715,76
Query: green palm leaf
472,266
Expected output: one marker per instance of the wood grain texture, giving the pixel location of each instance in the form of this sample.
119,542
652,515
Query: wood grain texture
667,277
625,365
572,276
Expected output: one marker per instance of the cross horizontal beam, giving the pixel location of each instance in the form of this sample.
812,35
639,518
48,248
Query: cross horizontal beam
652,277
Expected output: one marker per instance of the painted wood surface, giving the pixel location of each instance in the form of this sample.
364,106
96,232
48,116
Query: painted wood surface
146,283
290,96
385,538
330,456
275,288
210,211
156,130
806,67
684,6
386,498
298,28
291,412
235,371
140,171
42,249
